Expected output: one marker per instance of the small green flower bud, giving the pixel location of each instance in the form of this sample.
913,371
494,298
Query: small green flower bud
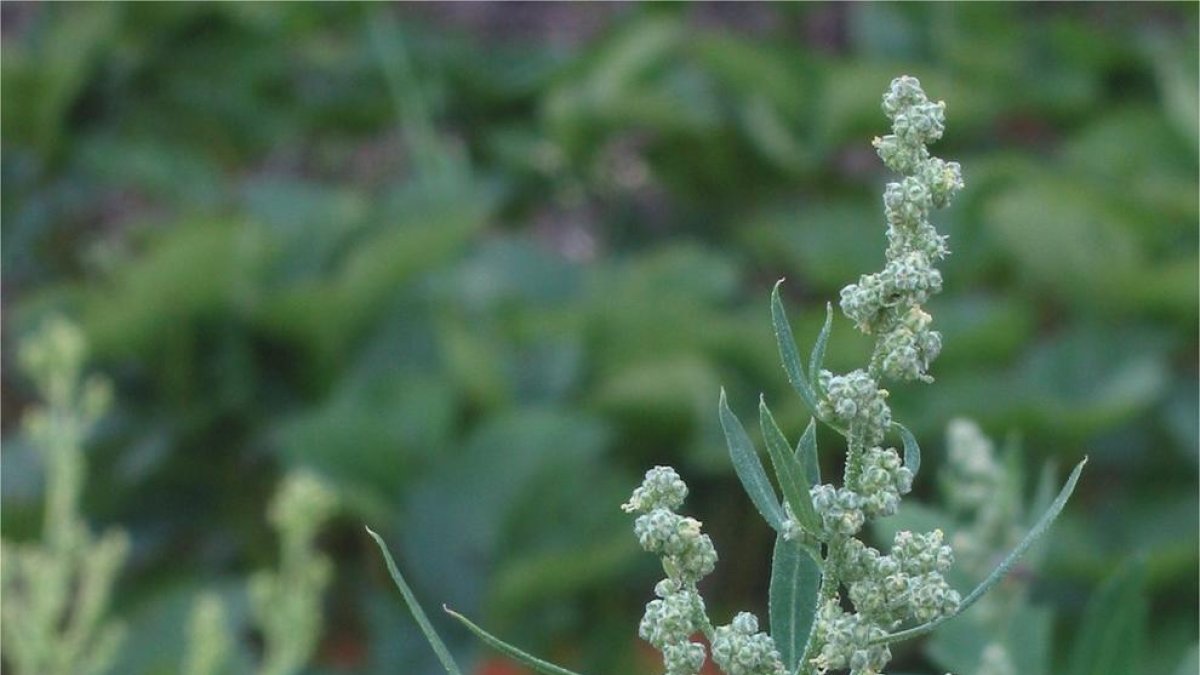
662,488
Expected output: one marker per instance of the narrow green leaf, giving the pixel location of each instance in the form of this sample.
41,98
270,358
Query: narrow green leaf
817,360
912,451
792,604
787,350
431,635
791,475
1002,569
749,469
1110,636
500,645
806,452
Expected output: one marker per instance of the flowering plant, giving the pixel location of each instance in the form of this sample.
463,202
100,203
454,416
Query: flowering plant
821,567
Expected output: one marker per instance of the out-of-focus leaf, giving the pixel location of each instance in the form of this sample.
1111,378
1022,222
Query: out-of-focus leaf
1190,663
1066,239
49,73
449,545
190,271
1111,635
1093,377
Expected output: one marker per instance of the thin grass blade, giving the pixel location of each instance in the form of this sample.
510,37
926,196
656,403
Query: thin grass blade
496,643
431,635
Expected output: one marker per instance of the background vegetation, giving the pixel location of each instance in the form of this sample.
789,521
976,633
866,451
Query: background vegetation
482,265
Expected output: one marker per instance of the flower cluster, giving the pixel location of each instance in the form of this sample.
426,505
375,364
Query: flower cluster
687,556
740,649
882,481
906,585
843,640
887,304
855,401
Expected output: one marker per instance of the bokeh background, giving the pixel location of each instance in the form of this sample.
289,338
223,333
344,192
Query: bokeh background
481,265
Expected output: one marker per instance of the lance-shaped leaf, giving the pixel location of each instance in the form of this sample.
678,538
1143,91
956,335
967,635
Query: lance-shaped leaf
749,470
539,665
431,635
788,352
791,475
816,360
912,451
1002,569
795,582
806,452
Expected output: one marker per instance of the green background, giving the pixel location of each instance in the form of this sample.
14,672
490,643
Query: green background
481,265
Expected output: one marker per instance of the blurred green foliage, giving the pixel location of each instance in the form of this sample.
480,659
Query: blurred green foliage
450,255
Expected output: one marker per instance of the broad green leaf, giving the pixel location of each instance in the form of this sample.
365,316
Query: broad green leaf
439,647
1002,569
912,451
500,645
795,583
816,361
787,350
749,469
806,452
1110,636
791,475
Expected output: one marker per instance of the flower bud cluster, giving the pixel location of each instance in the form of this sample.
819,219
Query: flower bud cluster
841,640
840,510
670,621
886,304
889,590
855,401
906,352
740,649
687,556
661,488
881,482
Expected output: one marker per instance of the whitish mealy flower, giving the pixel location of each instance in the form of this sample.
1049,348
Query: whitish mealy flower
921,553
683,658
856,401
687,553
673,618
662,488
905,352
840,510
881,482
842,640
932,598
740,649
